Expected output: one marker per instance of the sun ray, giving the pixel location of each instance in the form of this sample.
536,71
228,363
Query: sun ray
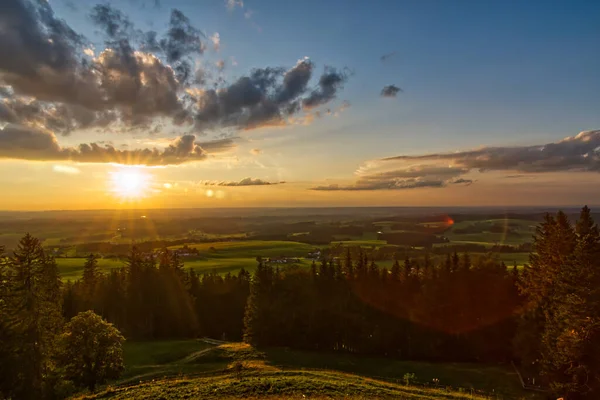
130,183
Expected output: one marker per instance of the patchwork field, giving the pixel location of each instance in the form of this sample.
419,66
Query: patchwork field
221,257
492,232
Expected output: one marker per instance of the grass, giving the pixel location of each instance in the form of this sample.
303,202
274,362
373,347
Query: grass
277,385
160,352
220,257
193,369
72,268
251,249
523,228
360,242
198,369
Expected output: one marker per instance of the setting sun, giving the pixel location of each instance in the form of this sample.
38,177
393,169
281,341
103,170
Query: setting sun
129,183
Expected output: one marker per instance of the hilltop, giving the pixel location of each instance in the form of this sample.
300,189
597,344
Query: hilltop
214,370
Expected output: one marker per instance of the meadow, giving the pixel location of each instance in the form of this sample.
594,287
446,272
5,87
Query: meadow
220,257
213,369
492,232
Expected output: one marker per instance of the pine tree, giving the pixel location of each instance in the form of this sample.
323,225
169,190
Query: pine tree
257,330
573,326
33,315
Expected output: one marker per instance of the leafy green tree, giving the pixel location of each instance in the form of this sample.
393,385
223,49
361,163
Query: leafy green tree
90,350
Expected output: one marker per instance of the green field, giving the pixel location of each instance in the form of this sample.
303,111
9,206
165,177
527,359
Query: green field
362,243
72,268
515,231
221,257
251,248
198,369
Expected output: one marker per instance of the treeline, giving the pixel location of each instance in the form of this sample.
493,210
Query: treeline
559,331
153,297
42,356
454,311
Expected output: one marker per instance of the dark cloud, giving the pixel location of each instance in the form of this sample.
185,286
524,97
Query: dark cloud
295,81
387,56
39,55
243,182
60,83
181,41
576,153
60,118
330,82
113,22
390,91
462,181
25,143
266,97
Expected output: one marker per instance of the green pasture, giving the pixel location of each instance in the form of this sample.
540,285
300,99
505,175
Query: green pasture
158,369
221,257
72,268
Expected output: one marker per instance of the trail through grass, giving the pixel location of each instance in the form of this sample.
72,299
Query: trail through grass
214,370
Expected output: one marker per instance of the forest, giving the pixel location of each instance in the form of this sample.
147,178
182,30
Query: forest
545,317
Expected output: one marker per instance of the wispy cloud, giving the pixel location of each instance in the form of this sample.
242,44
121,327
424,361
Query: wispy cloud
65,169
233,4
399,179
387,57
580,153
215,38
574,153
243,182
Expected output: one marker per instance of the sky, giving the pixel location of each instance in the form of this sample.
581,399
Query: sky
234,103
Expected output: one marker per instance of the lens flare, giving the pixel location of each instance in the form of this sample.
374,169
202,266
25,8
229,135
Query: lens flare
130,183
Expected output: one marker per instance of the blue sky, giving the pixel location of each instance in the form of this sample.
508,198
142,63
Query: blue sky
473,74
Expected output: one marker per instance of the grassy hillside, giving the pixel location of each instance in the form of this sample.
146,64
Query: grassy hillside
210,369
277,385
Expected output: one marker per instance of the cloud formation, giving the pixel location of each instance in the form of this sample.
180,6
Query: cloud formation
330,82
390,91
243,182
580,153
409,178
267,97
24,143
54,79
